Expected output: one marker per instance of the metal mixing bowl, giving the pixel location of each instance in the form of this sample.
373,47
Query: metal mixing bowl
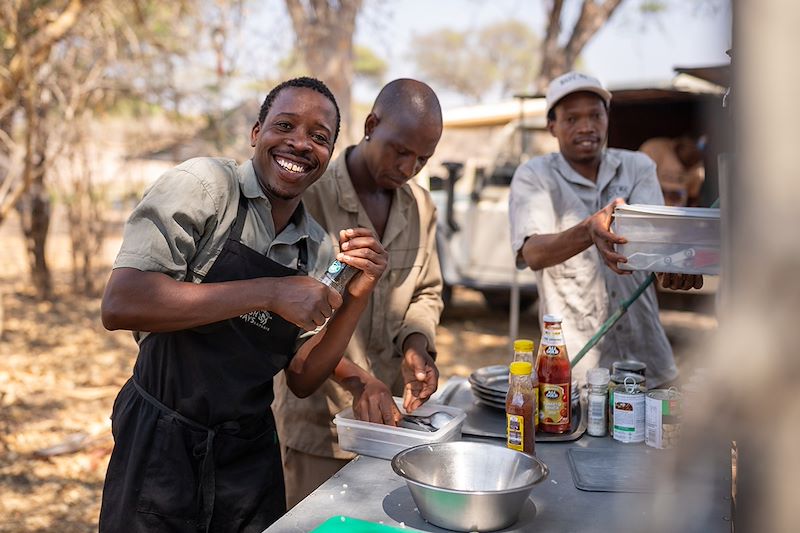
469,486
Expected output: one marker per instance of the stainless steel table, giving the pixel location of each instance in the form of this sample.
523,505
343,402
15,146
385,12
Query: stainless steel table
368,489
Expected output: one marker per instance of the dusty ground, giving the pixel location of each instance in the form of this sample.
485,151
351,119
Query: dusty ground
60,371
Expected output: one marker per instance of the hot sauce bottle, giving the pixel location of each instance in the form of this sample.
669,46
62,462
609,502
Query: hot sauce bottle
520,432
555,377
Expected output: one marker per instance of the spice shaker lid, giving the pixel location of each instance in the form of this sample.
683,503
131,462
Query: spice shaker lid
552,318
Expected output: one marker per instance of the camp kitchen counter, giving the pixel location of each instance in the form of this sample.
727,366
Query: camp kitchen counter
368,489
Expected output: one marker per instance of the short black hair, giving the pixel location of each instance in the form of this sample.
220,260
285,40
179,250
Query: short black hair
551,114
303,82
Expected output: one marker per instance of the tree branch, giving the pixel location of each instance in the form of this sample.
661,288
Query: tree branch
593,16
36,49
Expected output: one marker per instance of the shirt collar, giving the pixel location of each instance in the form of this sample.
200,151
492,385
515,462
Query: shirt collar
348,200
305,226
248,181
346,194
608,169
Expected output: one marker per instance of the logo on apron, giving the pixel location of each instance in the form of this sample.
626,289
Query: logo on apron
260,319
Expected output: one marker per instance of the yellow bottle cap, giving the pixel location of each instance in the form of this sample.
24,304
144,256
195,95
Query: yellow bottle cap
521,368
523,345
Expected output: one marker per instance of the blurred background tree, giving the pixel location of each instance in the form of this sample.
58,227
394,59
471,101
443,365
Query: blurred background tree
66,61
497,57
67,67
324,32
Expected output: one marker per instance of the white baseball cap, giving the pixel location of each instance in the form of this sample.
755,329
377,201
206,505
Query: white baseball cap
573,82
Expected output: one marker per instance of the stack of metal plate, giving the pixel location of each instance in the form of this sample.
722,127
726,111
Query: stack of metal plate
490,385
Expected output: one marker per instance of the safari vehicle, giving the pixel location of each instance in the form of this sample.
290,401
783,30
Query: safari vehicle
472,194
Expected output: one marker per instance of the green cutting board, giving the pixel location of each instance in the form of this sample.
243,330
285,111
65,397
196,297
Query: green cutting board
345,524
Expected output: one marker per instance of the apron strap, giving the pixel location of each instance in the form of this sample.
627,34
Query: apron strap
302,257
238,225
241,215
206,490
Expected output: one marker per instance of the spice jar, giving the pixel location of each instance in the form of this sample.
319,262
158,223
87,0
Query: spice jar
338,275
598,379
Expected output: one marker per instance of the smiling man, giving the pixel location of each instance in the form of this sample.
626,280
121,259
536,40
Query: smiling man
393,348
212,279
561,206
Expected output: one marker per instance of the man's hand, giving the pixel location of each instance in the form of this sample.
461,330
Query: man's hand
599,228
303,301
419,372
362,249
372,402
680,282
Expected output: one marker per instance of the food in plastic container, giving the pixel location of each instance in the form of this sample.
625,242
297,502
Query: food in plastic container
683,240
382,441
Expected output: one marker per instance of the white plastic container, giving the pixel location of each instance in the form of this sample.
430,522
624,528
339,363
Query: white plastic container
684,240
384,442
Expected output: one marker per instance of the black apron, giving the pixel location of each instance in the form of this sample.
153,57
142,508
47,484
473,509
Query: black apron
195,442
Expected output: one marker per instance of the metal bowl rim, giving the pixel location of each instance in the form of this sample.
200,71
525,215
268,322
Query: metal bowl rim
529,486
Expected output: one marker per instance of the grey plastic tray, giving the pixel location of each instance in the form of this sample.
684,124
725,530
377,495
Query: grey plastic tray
634,469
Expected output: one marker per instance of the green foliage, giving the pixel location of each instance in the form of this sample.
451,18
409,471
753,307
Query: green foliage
501,56
652,7
368,65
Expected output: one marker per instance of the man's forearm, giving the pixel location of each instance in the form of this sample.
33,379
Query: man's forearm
154,302
322,354
350,376
546,250
417,341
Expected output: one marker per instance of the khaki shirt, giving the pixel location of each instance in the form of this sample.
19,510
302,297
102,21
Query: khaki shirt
183,221
406,300
549,196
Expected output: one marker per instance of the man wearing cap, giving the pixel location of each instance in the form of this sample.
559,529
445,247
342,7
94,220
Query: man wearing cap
561,206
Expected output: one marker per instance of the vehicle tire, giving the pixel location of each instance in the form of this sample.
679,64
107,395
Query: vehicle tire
500,300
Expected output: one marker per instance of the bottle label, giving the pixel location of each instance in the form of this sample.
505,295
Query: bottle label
335,267
515,429
597,415
554,408
629,417
552,337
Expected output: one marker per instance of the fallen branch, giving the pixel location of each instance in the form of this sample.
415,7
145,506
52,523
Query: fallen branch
72,444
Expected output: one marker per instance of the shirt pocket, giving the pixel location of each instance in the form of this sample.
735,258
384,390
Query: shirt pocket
169,486
405,266
581,288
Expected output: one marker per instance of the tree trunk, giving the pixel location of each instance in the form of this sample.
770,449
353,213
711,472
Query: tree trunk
324,32
34,210
85,212
560,59
34,205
